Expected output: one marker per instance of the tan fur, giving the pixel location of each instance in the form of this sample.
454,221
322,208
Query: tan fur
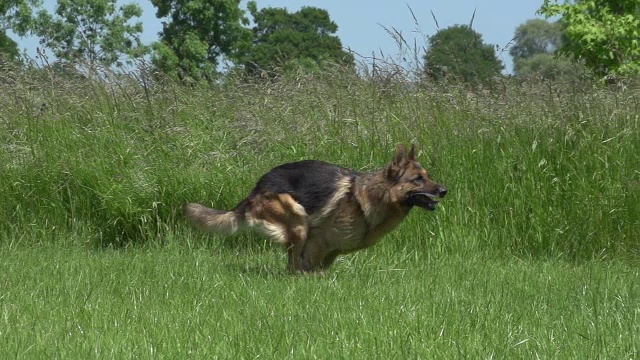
205,218
343,188
360,211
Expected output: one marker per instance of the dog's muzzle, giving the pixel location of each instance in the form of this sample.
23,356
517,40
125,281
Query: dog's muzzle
426,200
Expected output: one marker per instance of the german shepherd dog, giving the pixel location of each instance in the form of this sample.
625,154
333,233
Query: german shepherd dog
319,210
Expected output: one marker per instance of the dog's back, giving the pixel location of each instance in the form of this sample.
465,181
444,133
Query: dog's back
310,182
303,188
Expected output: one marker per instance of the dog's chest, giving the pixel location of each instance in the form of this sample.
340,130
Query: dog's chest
347,228
344,227
348,233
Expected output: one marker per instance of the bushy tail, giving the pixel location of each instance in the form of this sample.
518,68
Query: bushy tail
222,222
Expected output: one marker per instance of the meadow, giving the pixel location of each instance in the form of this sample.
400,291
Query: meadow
534,252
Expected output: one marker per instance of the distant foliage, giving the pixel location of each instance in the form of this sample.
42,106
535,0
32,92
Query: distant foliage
534,51
536,36
197,35
549,67
303,39
8,48
93,32
459,52
605,34
16,15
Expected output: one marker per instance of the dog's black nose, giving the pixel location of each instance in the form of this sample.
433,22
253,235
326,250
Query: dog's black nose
442,191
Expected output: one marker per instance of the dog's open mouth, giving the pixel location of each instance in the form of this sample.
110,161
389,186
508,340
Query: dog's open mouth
423,200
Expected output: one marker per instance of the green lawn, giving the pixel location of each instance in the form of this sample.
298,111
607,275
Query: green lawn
230,302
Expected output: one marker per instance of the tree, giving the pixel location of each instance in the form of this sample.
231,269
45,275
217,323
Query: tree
197,35
536,36
605,34
459,52
16,15
303,39
92,32
8,48
548,66
535,43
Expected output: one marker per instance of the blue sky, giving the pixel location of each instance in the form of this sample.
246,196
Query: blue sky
361,22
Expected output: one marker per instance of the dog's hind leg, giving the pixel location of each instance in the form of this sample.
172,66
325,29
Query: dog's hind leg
284,220
296,238
297,231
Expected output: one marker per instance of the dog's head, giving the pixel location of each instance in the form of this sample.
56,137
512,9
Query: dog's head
409,182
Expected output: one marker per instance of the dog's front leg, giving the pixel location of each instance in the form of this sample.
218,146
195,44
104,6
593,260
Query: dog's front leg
316,255
329,259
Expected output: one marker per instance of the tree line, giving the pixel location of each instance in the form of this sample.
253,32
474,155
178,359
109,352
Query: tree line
197,35
597,36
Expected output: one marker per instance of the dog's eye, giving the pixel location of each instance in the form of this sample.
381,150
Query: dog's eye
418,179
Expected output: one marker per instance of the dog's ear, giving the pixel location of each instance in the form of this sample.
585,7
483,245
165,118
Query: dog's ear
412,153
400,156
394,169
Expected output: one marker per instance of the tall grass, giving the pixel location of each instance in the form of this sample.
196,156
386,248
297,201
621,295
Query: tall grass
534,170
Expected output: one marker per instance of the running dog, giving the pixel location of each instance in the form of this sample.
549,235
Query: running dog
319,210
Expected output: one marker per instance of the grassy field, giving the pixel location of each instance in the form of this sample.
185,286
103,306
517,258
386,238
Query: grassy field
534,252
226,302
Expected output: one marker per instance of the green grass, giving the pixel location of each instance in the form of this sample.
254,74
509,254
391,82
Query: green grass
534,252
237,302
534,171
